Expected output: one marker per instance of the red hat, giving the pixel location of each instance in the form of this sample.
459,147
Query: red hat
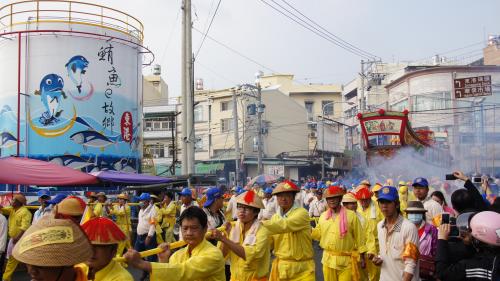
333,191
103,231
364,193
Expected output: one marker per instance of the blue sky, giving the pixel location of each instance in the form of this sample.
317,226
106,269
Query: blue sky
395,30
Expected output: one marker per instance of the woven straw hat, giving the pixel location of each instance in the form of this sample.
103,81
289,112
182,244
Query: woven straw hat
286,186
72,206
20,198
364,193
103,231
349,198
53,243
102,194
333,191
251,199
123,196
377,187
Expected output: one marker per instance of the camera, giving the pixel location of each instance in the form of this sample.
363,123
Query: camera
476,179
450,177
453,227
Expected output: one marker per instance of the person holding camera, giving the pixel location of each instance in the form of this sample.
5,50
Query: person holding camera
485,262
468,199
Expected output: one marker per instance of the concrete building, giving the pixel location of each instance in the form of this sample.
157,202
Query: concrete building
159,127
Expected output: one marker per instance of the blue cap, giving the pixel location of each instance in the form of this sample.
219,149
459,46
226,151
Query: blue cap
420,182
186,192
240,190
43,192
389,193
212,194
57,199
268,190
145,197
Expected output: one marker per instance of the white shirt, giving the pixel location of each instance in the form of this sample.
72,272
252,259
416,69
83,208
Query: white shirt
3,233
184,207
317,207
231,207
392,246
299,198
146,222
270,208
309,195
433,209
40,213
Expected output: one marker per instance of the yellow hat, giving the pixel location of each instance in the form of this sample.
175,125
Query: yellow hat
401,183
249,198
286,186
376,187
71,206
365,182
53,242
349,198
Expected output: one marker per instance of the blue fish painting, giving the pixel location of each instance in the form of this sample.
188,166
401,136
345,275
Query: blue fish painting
7,140
71,161
5,109
91,138
76,67
51,94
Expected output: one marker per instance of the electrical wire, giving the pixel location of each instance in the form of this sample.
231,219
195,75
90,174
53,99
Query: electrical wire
300,21
174,25
208,29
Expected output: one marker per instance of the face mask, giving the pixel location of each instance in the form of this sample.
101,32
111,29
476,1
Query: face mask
415,218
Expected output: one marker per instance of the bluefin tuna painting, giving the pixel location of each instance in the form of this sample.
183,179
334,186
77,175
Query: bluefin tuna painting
76,67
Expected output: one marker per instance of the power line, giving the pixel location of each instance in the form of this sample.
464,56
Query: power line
327,31
174,25
300,21
208,29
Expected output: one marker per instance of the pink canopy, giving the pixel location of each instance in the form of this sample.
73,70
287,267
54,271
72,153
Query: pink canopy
25,171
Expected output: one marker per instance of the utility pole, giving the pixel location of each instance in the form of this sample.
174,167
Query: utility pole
362,105
187,92
260,110
236,140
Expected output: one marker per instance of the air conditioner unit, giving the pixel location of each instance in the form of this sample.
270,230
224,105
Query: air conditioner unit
312,135
155,155
149,129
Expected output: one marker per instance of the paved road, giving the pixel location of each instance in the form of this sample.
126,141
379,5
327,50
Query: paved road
23,276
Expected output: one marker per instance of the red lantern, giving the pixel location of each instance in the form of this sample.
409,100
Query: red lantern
405,112
381,111
359,115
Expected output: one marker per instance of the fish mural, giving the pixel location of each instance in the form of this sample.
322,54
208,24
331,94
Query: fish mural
71,161
51,94
8,140
124,165
76,67
91,138
5,109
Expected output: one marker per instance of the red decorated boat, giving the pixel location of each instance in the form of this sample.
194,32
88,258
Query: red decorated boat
384,133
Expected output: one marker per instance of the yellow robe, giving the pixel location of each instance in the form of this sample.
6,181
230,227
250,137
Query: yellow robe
168,221
372,238
291,238
256,265
340,255
122,216
205,263
19,220
111,272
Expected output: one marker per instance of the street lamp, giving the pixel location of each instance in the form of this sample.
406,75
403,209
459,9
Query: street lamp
323,132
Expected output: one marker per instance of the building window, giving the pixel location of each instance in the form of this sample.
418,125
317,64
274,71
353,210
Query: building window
400,106
327,106
159,123
439,100
198,145
226,125
157,150
255,144
226,105
309,109
198,113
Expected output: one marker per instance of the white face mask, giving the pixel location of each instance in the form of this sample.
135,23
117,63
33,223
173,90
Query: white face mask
416,218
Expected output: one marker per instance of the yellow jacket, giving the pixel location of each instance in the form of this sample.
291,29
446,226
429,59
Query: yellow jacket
111,272
205,263
168,215
257,255
98,210
371,226
291,238
327,232
19,220
158,220
122,217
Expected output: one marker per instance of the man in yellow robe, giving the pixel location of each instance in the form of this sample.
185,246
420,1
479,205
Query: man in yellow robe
340,234
290,231
122,215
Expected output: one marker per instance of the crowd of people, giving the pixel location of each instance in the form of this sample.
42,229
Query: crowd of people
263,232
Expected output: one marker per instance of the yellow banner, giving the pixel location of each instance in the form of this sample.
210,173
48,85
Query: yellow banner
46,236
